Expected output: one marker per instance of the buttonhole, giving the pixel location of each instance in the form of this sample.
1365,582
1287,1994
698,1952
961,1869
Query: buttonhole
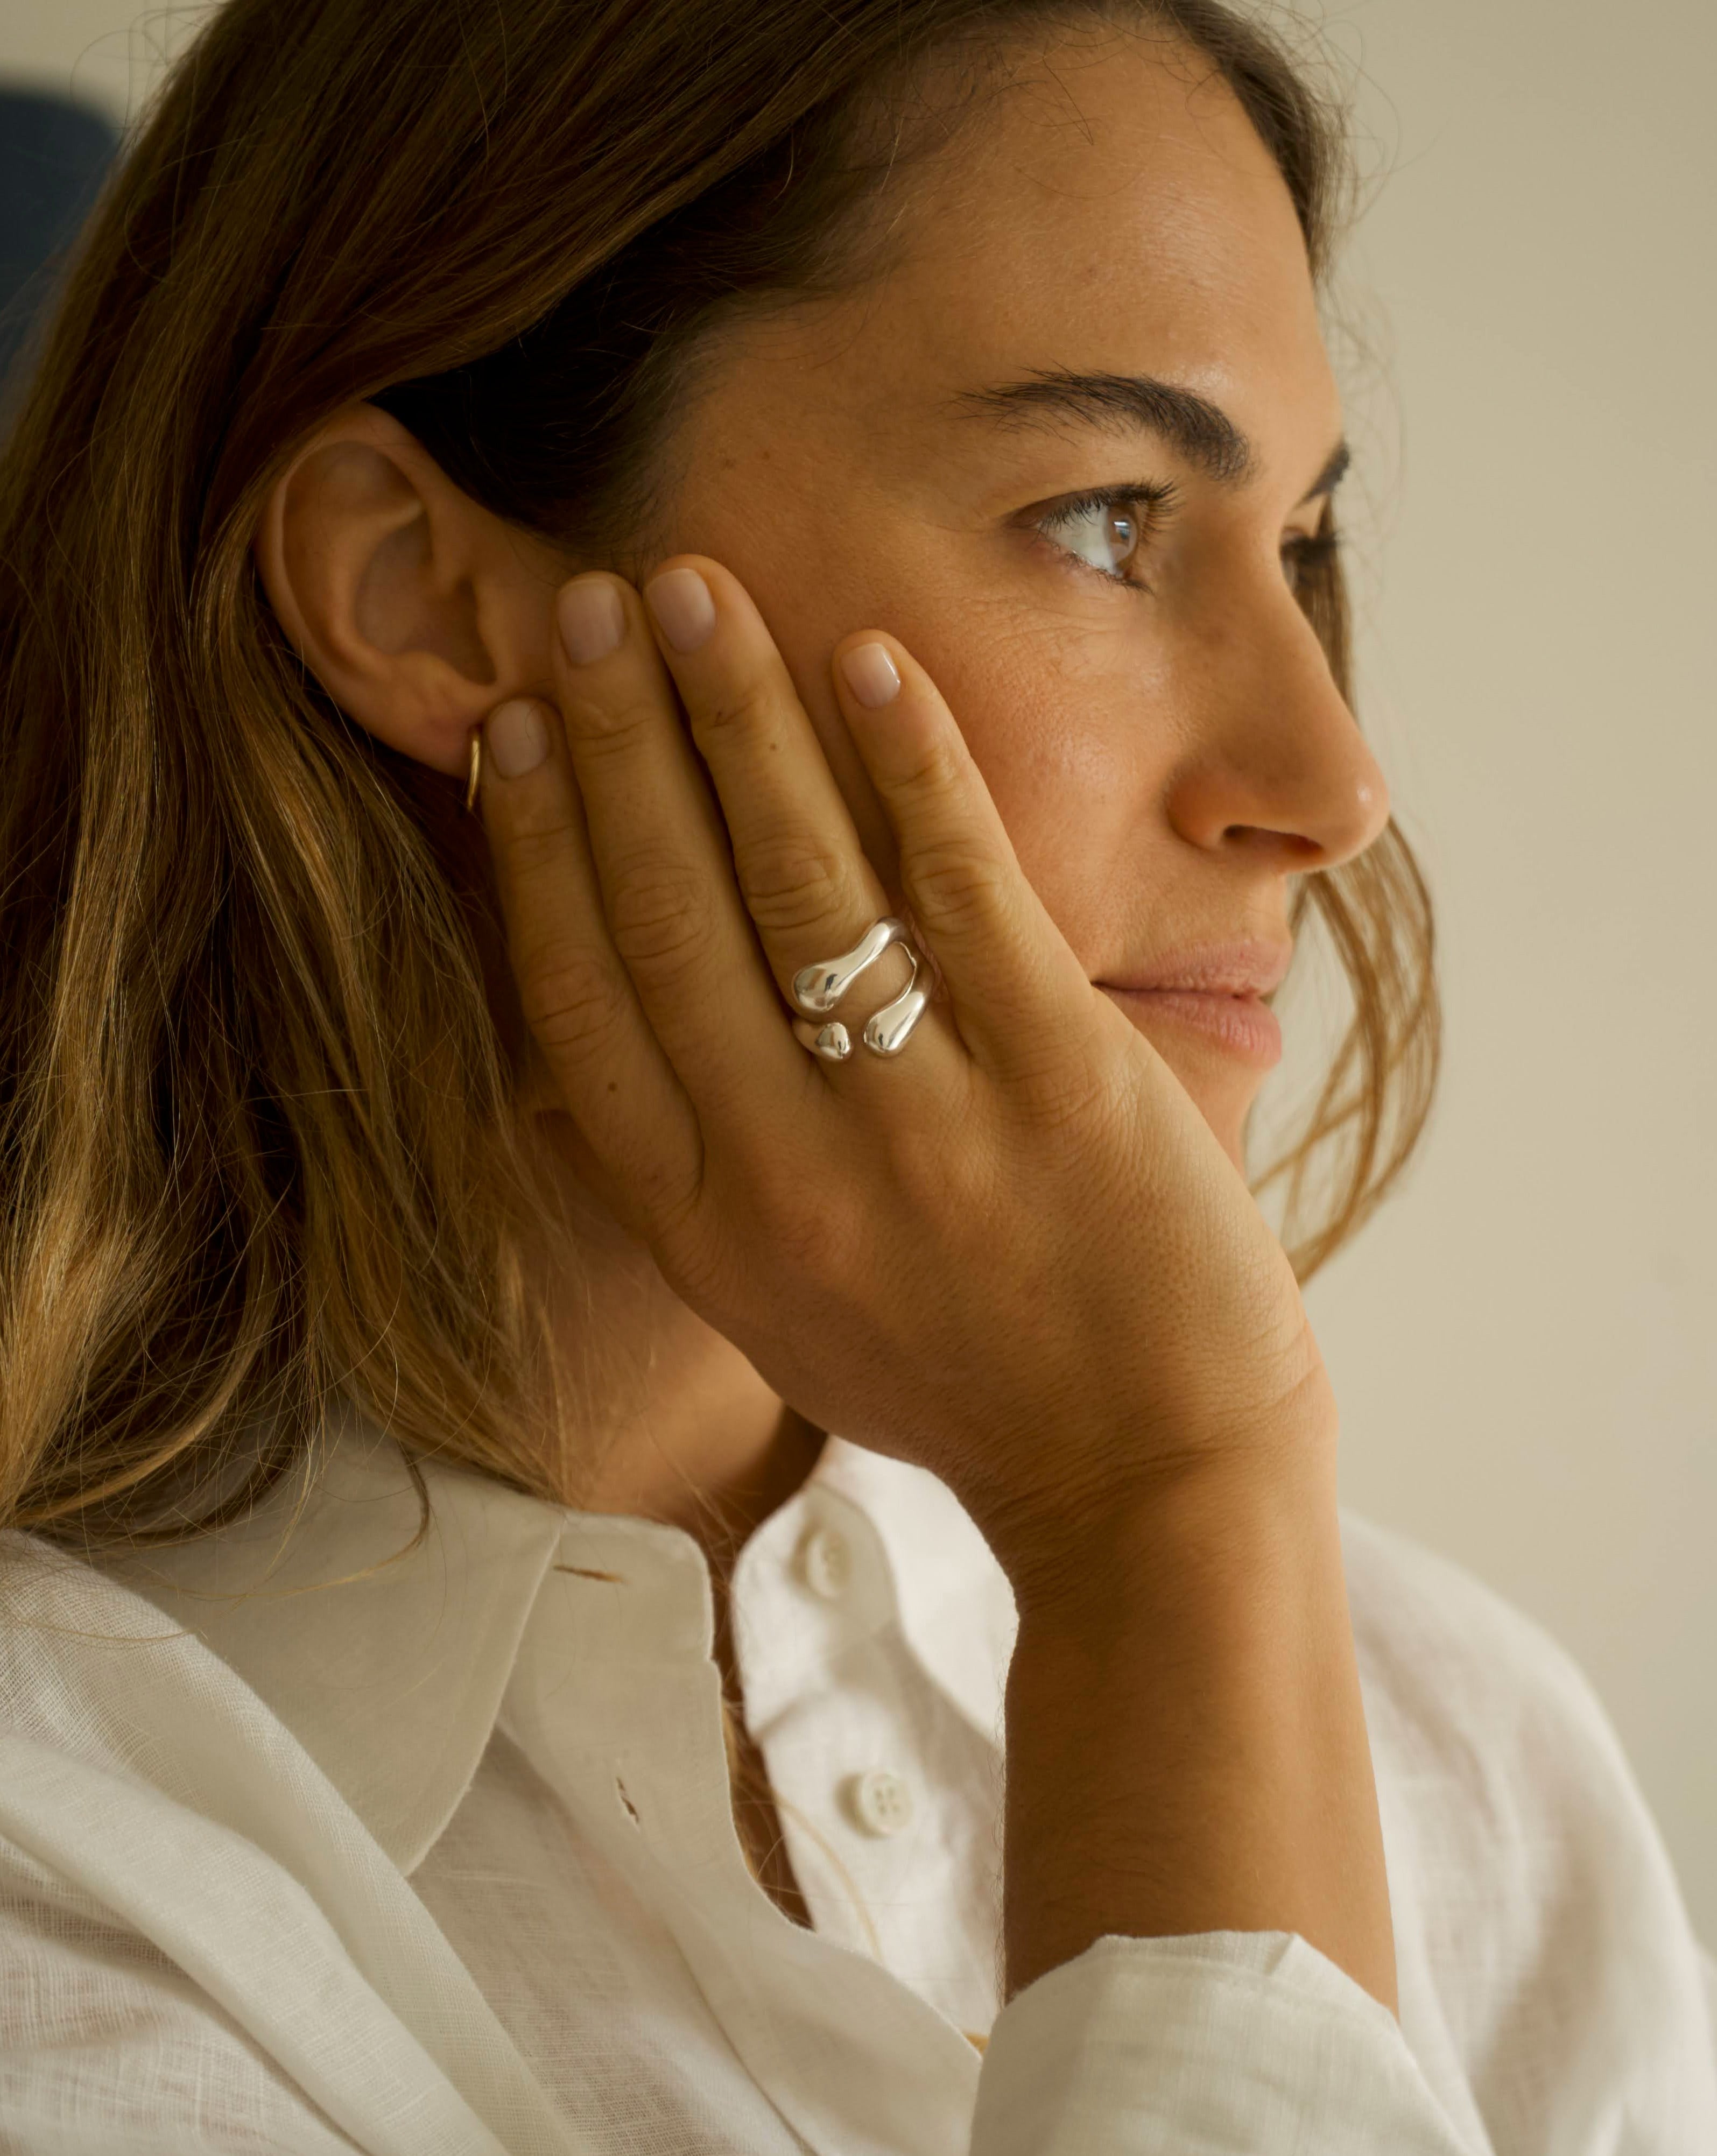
585,1571
631,1809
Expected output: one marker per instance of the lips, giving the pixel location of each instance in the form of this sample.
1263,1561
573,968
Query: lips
1253,968
1216,990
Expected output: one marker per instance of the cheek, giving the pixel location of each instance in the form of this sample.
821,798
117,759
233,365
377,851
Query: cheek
1058,714
1062,735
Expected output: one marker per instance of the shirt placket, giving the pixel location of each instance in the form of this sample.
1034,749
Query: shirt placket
889,1800
615,1700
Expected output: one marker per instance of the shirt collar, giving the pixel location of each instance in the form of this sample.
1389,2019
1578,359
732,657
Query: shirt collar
384,1650
385,1644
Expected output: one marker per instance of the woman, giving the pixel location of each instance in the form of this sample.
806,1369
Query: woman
845,496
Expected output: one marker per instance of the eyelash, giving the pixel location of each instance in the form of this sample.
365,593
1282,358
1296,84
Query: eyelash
1159,501
1156,500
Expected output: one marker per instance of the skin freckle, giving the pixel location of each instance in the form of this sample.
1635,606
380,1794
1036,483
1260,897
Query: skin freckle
1125,730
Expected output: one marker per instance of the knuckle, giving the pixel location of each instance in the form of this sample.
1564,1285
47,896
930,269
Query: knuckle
954,886
1070,1088
660,916
792,883
594,729
540,849
569,997
736,707
931,770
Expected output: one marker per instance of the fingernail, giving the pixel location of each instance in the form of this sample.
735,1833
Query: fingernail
517,737
680,600
592,620
871,674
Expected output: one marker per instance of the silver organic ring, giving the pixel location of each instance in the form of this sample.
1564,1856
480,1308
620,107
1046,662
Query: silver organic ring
818,989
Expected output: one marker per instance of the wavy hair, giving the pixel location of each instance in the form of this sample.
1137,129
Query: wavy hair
256,1135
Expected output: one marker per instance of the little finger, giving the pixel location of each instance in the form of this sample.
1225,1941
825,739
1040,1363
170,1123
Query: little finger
577,999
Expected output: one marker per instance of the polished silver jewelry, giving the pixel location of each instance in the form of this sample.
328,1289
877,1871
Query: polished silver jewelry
818,989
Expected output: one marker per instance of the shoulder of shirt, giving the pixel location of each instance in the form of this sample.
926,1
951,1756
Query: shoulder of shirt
1492,1751
1529,1885
1429,1630
339,1619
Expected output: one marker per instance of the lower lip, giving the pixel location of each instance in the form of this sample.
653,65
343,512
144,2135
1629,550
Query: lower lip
1246,1026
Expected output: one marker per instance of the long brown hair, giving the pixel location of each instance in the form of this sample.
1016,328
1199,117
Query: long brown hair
256,1136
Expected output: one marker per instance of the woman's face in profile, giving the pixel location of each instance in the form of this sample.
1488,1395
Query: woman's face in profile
1102,291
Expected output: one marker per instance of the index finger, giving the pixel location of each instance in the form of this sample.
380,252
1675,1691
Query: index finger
1019,992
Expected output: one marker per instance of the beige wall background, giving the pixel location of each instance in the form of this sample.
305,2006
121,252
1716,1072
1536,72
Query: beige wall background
1523,1340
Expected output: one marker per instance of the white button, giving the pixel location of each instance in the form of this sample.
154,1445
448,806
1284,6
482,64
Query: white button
881,1802
826,1563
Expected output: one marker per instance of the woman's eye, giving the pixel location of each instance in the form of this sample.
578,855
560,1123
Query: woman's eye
1302,555
1105,532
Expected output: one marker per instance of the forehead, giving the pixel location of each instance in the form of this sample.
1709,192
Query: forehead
1106,207
1115,174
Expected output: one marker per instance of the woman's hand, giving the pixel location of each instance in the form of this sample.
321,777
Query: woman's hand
1014,1253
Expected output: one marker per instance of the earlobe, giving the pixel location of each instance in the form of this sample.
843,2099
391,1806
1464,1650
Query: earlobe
415,607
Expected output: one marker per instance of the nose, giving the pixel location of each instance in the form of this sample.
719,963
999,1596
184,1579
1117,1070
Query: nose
1274,762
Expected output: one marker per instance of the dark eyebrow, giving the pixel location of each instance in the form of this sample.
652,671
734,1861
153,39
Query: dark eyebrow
1201,431
1340,457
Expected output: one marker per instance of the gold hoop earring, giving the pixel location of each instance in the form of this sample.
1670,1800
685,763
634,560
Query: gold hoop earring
476,771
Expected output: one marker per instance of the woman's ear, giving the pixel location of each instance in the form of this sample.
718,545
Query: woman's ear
417,609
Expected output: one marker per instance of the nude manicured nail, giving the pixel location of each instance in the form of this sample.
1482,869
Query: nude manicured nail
516,738
592,620
680,600
871,674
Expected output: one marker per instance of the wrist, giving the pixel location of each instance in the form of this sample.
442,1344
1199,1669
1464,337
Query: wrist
1185,1738
1205,1523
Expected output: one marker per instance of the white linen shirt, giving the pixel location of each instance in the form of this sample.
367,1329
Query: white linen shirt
328,1841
